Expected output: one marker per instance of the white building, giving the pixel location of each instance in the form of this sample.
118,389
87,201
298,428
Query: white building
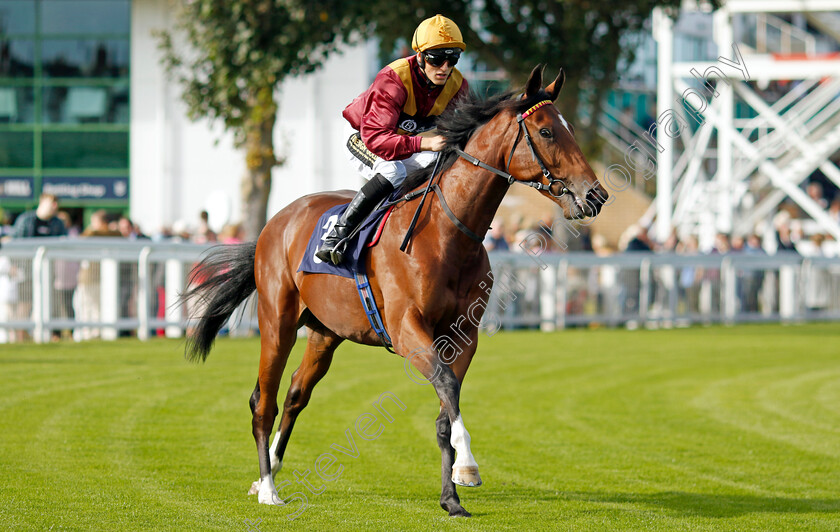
178,168
87,112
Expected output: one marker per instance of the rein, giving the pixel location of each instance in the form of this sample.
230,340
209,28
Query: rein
507,176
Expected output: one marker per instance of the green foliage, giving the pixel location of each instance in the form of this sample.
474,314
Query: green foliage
230,57
587,38
514,35
238,48
712,428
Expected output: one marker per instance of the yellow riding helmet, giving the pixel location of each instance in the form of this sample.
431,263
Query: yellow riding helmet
437,32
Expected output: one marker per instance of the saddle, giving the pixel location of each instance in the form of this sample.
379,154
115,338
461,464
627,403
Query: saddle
366,237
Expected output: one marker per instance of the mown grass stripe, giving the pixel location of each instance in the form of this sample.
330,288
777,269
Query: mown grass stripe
698,429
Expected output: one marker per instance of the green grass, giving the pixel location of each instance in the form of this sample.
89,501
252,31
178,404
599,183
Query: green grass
695,429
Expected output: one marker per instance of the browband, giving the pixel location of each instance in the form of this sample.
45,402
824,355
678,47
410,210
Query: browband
534,108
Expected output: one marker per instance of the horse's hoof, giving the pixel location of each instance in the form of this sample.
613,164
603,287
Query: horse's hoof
466,476
454,509
271,498
255,488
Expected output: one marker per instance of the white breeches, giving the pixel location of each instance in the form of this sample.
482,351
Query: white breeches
395,171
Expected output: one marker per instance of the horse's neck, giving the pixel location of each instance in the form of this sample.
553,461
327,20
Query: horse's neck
473,194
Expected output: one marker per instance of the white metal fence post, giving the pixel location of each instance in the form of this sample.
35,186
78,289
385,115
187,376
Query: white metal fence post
644,289
728,290
38,289
109,296
173,285
562,292
143,293
787,292
548,298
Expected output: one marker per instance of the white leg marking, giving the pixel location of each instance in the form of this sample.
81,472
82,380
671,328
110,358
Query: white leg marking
268,493
276,464
460,440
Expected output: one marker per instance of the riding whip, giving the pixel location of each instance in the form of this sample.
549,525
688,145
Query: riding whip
420,207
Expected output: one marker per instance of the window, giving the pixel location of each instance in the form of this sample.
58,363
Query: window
85,16
17,17
64,97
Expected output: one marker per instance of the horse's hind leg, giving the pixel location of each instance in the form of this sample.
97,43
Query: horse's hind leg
277,336
255,398
316,362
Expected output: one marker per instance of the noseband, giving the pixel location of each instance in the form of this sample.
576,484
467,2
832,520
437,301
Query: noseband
507,176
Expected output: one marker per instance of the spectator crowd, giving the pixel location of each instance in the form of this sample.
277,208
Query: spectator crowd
76,291
790,230
76,284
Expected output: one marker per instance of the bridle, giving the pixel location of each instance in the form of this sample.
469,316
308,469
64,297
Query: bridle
561,188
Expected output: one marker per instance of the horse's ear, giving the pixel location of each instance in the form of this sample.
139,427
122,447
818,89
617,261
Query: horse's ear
534,84
554,89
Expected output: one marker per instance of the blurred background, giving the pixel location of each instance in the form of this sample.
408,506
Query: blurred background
714,125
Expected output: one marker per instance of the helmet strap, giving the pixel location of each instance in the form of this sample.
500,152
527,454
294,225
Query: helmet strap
422,64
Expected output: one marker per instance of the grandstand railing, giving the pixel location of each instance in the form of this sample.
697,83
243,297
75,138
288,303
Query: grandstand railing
660,290
97,288
106,288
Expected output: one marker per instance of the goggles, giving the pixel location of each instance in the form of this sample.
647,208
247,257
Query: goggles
437,58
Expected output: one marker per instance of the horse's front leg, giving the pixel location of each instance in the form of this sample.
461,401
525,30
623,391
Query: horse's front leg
464,469
449,499
416,340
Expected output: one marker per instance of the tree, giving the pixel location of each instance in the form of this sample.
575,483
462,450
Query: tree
587,38
239,53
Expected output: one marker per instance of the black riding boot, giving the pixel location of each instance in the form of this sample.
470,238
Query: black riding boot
363,203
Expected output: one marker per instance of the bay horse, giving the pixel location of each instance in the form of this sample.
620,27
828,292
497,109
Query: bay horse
423,292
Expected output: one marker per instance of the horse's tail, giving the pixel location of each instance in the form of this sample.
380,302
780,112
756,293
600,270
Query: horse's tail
216,286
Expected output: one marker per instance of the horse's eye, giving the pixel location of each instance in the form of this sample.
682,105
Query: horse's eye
546,133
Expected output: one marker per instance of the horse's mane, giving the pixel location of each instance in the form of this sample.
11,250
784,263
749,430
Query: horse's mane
459,122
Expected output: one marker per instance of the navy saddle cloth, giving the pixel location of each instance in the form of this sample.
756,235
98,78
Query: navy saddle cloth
354,254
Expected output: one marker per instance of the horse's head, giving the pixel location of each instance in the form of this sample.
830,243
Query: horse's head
545,152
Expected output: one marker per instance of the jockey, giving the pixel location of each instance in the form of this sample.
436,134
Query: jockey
389,117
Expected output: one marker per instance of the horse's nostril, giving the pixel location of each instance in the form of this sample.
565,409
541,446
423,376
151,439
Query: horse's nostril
596,196
595,200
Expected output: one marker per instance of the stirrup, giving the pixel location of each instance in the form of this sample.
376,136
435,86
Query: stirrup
334,254
337,252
